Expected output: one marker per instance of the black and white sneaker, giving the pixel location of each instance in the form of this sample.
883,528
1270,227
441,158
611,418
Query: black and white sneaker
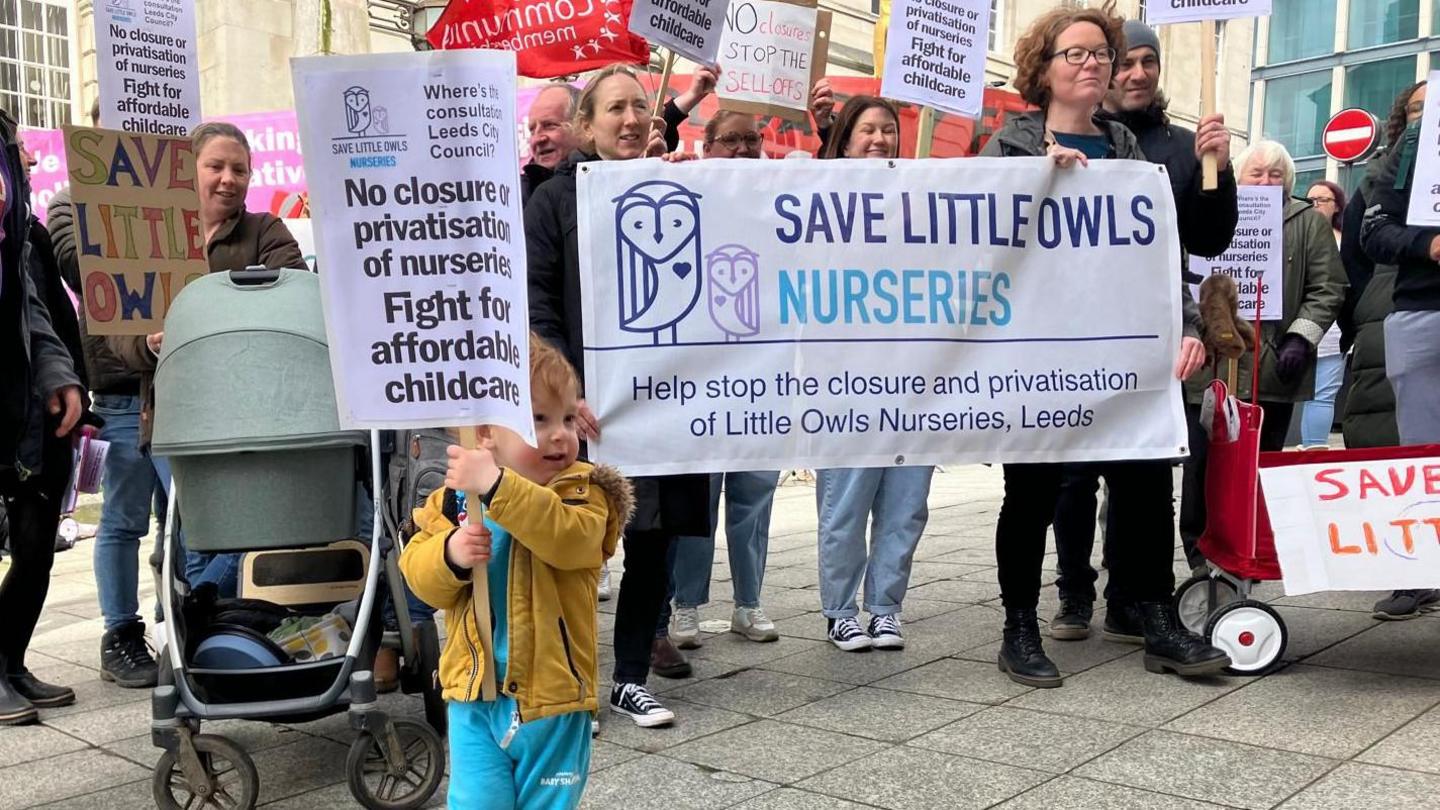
635,700
846,634
885,633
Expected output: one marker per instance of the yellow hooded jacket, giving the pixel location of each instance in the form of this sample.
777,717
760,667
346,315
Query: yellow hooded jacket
561,534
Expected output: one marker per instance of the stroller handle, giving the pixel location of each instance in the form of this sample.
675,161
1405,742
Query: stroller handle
255,275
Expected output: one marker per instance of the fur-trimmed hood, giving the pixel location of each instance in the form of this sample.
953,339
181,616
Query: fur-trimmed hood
622,502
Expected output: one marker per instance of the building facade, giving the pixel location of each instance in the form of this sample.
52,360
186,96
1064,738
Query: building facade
37,58
1314,58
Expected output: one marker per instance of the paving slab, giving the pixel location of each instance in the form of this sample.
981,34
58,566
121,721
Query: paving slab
856,668
736,650
1046,742
94,694
912,779
65,776
1313,630
1123,692
792,799
1071,657
1314,710
1072,793
660,783
1351,786
791,752
103,725
758,692
21,744
1410,747
1397,648
880,714
131,794
691,720
1208,770
607,754
970,681
338,797
299,767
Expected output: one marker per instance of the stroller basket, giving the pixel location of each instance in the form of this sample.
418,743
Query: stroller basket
308,680
245,411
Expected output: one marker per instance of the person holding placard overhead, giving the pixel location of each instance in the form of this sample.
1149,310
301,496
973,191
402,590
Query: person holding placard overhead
1313,291
749,495
234,240
891,500
612,122
1064,65
1206,220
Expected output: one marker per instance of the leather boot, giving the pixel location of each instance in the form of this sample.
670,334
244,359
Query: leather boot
387,670
1169,646
40,694
15,710
1021,655
668,662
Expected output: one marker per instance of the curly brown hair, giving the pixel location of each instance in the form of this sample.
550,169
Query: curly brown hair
1399,117
1034,51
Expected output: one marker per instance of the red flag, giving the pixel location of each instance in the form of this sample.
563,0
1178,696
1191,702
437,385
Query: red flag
549,37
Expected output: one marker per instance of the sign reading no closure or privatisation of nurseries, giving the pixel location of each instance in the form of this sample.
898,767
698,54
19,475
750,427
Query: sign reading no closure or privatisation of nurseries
415,196
871,313
935,54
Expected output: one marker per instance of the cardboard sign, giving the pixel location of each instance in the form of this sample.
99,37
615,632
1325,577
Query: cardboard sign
870,313
690,28
1179,11
1256,256
1356,525
935,54
148,71
415,200
1425,189
771,53
137,225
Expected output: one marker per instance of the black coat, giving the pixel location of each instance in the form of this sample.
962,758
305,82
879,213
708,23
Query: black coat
677,505
48,283
1369,417
1388,240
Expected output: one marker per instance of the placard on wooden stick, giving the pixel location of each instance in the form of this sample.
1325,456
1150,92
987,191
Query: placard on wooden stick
764,52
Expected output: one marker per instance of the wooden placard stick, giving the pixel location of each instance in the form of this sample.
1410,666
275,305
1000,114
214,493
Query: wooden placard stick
664,82
926,132
479,582
1210,167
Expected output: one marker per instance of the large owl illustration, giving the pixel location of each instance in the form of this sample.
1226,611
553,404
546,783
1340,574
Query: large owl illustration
734,273
357,110
657,257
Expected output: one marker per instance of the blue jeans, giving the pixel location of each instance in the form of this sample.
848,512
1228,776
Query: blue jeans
129,487
1318,415
847,499
748,499
221,569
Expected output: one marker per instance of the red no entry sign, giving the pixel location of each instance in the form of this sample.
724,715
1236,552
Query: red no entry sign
1351,135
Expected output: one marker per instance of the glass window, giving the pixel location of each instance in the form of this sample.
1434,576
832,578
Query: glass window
34,80
1378,22
1296,109
33,113
1301,28
994,40
1374,85
59,113
9,44
34,47
1304,180
7,13
9,77
60,85
30,15
59,52
9,101
55,20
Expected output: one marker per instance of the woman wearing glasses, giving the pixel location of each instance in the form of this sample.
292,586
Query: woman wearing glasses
1064,66
749,496
1318,415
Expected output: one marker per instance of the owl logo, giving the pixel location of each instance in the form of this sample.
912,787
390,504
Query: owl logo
657,257
734,273
357,110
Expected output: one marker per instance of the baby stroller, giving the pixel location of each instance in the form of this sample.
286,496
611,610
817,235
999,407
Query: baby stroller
246,414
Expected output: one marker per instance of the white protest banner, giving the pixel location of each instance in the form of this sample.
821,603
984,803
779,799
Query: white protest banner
748,315
1256,254
148,72
690,28
1425,188
304,232
935,54
415,202
1370,525
1178,11
771,52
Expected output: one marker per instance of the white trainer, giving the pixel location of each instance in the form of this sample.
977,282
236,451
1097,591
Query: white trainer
685,628
602,591
752,623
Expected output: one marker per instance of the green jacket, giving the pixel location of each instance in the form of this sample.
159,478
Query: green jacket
1314,290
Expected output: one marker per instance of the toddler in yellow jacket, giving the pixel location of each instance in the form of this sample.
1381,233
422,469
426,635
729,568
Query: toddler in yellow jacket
550,522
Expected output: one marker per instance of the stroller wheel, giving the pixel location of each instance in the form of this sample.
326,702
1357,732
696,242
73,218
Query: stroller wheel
379,784
231,780
427,644
1193,602
1251,633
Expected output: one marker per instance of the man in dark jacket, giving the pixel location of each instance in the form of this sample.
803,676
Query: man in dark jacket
1206,220
551,139
40,405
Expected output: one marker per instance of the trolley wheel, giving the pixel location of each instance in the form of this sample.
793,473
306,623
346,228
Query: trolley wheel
1251,633
1192,600
427,648
233,783
377,785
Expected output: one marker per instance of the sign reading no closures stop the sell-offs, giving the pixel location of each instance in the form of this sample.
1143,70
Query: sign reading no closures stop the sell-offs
1351,135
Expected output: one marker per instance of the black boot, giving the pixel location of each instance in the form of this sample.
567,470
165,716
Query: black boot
1122,623
15,710
125,659
40,694
1169,646
1021,655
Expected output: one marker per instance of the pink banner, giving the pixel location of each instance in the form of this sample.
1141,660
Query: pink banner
277,182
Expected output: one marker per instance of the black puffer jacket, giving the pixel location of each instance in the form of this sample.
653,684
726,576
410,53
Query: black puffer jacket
678,505
1369,417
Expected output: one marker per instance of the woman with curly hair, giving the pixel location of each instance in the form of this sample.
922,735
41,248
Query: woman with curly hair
1064,65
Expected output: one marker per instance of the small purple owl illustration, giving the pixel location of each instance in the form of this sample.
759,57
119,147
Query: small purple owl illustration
734,273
